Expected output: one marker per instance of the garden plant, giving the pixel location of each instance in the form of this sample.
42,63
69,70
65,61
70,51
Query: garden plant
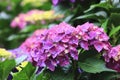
59,40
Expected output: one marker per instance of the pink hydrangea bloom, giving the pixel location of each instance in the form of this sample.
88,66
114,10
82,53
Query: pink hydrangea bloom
112,58
32,40
91,35
55,46
52,47
19,21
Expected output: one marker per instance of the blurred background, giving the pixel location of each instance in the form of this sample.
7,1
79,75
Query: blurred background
20,18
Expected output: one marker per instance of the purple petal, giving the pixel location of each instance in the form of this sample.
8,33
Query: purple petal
98,46
103,37
85,37
92,34
50,65
74,53
41,63
73,40
58,37
47,45
84,27
84,45
55,2
63,60
66,38
56,50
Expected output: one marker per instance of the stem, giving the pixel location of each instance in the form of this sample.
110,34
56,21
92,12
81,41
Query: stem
76,74
75,68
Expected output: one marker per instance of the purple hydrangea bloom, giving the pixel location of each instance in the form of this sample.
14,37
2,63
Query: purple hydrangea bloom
33,40
112,58
52,47
55,46
91,35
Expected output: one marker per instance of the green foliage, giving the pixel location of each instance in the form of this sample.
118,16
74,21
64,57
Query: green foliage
25,74
43,76
59,74
104,13
105,24
104,5
5,68
114,30
91,62
93,65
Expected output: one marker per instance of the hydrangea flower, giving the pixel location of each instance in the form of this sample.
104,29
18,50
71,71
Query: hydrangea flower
34,16
53,47
112,58
30,42
19,21
91,35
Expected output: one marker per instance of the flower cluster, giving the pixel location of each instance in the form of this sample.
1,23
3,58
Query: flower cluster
35,3
91,35
55,46
55,2
112,58
30,42
34,16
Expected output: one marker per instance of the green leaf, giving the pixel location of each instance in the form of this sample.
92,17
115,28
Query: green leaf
93,65
59,74
25,74
108,76
114,30
5,68
97,15
43,76
115,18
86,16
40,76
105,24
104,5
